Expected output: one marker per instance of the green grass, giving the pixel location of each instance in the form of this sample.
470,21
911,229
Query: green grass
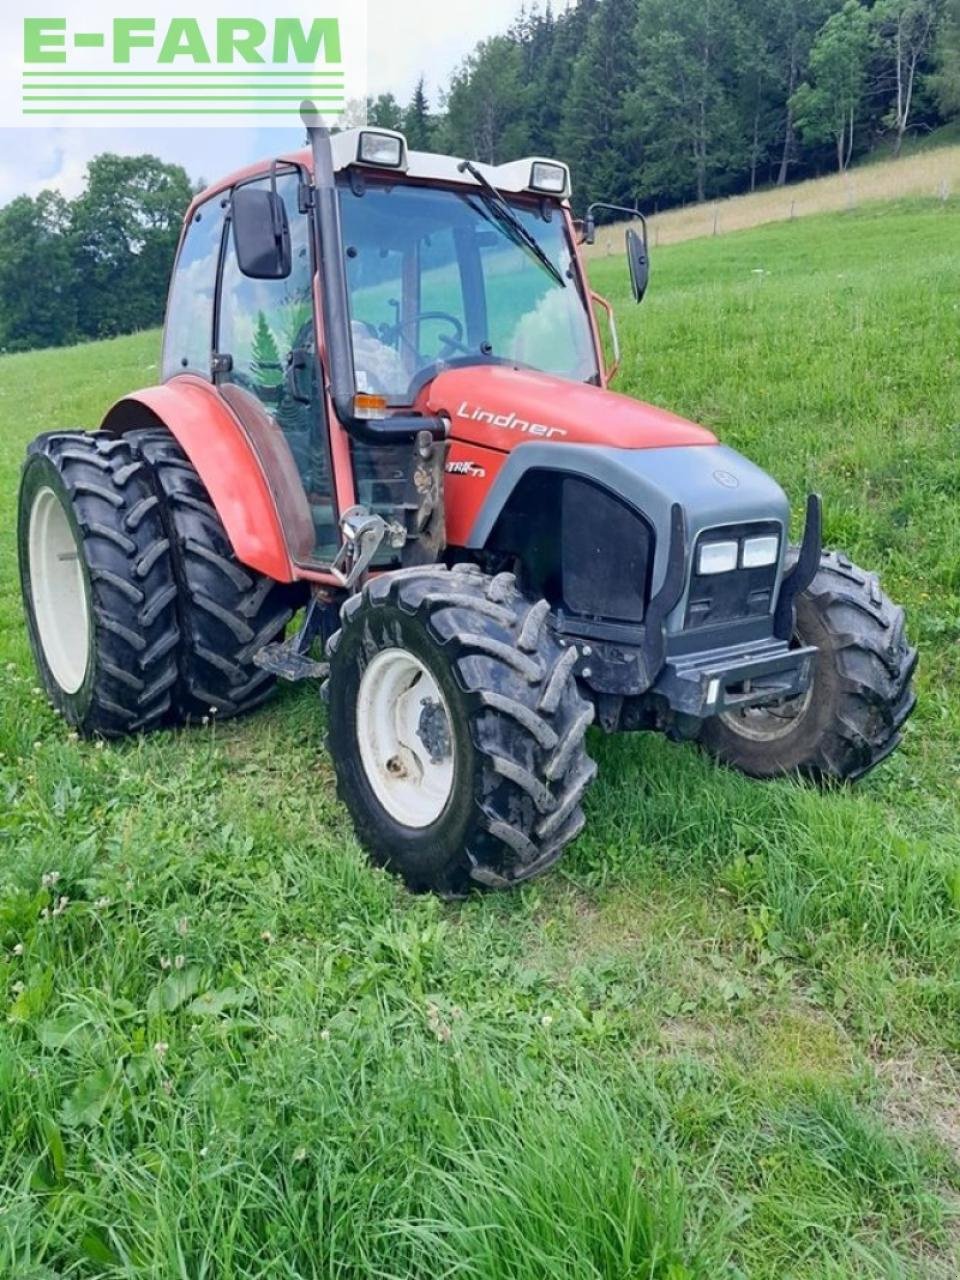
719,1041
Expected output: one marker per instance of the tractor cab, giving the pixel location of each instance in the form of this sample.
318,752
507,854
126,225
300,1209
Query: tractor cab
322,294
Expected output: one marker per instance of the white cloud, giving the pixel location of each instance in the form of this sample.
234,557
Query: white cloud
428,37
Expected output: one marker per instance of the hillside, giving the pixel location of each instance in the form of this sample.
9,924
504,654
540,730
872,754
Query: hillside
719,1041
932,173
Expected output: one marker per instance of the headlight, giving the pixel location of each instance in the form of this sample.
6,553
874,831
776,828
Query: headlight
550,178
717,557
383,149
760,551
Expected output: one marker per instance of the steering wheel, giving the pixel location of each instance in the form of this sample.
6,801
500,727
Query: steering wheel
454,342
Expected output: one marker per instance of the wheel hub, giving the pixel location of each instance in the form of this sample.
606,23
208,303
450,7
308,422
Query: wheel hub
59,591
767,723
405,738
434,731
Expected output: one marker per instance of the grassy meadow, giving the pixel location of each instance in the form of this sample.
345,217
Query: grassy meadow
721,1040
927,168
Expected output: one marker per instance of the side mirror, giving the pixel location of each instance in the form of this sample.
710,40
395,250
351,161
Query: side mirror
261,234
639,262
589,229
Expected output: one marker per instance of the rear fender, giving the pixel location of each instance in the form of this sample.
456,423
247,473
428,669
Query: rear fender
215,442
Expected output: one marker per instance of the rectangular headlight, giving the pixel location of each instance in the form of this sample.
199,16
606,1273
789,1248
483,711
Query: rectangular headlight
717,557
549,178
382,149
760,551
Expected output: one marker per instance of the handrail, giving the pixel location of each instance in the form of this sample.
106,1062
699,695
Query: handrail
614,337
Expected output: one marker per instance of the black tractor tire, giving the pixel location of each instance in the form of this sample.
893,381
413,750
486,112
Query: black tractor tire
120,609
517,725
227,611
861,694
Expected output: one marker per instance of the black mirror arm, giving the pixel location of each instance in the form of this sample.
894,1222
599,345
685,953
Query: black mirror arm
590,222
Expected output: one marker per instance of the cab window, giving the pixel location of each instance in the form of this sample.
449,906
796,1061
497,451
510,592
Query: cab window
188,337
272,380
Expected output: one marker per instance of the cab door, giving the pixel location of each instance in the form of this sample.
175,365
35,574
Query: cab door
266,367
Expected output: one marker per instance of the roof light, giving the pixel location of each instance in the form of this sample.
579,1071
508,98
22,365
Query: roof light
550,178
382,149
717,557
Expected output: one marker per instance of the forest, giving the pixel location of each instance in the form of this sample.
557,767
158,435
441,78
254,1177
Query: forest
652,102
670,101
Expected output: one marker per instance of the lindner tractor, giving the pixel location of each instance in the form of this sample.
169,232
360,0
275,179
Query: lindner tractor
384,413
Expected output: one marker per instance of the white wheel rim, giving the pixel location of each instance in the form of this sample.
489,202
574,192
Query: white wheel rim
405,735
59,591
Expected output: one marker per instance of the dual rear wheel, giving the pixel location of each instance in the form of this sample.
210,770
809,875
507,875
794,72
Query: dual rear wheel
138,612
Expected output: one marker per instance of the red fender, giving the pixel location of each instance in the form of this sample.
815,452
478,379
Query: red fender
218,446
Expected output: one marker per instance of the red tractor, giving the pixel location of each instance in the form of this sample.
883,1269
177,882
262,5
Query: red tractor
384,402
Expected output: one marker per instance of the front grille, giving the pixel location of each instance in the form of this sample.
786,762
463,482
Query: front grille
716,598
606,554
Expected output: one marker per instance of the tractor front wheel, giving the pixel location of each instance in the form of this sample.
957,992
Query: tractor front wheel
850,717
456,729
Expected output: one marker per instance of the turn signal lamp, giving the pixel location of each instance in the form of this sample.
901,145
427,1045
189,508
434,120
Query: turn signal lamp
369,406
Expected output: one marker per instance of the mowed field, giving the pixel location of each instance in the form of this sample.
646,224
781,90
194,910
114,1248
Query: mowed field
721,1040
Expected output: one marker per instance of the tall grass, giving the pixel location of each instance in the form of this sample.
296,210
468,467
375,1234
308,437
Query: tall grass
933,173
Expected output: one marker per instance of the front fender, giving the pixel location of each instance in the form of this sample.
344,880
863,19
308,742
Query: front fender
218,447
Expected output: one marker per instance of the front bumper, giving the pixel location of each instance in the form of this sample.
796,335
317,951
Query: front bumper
707,671
706,684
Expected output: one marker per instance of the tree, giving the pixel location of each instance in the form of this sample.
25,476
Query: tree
124,230
486,105
37,278
945,79
265,362
905,31
796,25
385,112
594,138
683,107
829,104
756,76
416,119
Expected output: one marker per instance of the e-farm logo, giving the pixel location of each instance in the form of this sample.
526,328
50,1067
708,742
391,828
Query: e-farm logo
109,63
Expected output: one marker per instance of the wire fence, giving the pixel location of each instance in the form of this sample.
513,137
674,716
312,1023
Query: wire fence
931,174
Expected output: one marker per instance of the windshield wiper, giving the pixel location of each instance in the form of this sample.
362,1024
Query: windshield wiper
509,221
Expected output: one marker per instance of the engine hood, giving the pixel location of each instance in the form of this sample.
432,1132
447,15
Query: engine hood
501,407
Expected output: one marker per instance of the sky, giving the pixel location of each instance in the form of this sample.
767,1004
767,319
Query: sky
406,38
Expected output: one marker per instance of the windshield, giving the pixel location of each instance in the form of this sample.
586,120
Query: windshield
434,278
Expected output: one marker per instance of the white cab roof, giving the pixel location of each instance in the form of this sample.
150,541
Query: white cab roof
513,176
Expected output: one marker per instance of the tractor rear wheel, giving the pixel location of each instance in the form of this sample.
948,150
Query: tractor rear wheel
98,583
456,728
227,611
860,696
